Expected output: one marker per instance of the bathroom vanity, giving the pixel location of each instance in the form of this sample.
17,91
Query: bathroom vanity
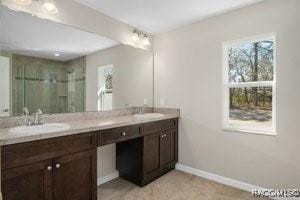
65,167
88,88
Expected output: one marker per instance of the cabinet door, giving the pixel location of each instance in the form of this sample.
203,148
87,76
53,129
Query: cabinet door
74,176
151,154
29,182
167,148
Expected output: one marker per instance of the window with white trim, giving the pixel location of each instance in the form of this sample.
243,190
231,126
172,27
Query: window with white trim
249,85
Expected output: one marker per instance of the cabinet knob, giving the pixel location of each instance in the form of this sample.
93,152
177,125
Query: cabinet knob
49,168
124,133
57,166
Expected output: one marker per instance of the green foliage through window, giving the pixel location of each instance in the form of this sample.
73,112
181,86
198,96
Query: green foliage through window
250,81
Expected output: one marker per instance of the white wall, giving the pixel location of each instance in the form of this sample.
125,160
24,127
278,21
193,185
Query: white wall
9,56
132,83
4,86
188,75
132,76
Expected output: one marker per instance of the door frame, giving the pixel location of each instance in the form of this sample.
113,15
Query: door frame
9,58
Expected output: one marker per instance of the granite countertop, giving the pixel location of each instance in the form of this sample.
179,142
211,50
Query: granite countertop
76,127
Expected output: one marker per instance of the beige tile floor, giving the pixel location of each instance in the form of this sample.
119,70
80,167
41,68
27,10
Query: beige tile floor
175,185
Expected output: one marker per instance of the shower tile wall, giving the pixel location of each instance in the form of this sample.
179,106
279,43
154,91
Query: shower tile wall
76,98
43,83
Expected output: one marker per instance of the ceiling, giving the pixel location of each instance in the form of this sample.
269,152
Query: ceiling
156,16
27,35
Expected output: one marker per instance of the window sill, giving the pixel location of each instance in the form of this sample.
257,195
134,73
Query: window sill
240,130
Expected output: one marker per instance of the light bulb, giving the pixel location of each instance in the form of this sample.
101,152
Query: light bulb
146,40
135,36
49,7
23,2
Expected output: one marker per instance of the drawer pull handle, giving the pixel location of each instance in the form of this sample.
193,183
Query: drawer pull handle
124,134
57,166
49,168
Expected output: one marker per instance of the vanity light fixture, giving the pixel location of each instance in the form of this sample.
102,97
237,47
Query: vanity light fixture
146,40
23,2
141,37
135,36
49,7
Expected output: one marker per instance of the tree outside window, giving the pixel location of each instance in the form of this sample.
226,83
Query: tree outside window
249,85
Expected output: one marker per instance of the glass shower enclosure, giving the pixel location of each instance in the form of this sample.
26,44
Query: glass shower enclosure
50,85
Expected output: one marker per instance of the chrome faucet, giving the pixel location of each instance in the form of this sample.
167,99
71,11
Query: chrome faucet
28,122
37,117
142,109
25,111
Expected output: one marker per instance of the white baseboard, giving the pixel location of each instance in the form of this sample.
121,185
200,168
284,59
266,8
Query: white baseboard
221,179
107,178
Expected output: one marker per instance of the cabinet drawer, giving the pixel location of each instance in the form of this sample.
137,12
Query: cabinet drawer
114,135
29,152
154,127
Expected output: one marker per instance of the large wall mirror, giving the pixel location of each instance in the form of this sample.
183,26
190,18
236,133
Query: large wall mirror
60,69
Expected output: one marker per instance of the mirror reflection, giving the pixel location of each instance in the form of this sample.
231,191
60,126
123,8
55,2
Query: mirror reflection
60,69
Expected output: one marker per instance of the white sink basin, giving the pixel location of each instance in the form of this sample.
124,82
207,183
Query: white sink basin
44,128
149,115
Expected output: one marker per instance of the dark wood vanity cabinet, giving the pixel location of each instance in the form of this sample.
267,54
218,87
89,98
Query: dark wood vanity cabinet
168,148
115,135
145,159
29,182
151,154
68,177
159,154
74,177
65,168
51,169
159,151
